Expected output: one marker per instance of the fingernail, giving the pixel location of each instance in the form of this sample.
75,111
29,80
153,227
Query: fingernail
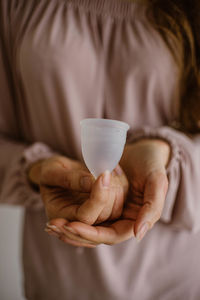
53,227
70,229
86,183
142,231
106,179
118,170
49,231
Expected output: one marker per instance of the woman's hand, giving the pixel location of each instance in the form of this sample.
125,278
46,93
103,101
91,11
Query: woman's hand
145,164
70,192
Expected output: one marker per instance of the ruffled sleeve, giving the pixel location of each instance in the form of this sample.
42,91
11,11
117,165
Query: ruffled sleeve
182,205
15,154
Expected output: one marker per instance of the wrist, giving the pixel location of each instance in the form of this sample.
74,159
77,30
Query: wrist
162,146
159,147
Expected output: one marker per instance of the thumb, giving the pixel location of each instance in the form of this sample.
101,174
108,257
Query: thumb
90,210
154,198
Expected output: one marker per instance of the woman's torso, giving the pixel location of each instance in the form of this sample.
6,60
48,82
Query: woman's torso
78,59
73,60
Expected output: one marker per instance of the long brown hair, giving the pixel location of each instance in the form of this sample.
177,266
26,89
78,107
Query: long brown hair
178,22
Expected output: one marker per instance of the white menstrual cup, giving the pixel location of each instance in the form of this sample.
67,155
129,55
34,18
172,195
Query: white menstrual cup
102,142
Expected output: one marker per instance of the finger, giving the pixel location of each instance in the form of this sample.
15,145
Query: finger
75,243
154,198
52,232
121,178
72,179
73,235
56,227
57,222
100,196
117,208
115,233
120,185
80,180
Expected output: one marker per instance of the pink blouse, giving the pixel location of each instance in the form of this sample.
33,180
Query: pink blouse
65,60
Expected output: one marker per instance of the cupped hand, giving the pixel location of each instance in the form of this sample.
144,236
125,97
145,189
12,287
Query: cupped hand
71,193
145,164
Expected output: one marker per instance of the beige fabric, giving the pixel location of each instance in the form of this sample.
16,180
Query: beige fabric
62,61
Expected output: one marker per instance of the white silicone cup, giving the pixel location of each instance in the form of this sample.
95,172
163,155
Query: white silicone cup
102,142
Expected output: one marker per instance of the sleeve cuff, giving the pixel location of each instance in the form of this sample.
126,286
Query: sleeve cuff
16,188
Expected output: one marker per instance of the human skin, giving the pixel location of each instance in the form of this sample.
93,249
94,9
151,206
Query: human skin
144,163
70,192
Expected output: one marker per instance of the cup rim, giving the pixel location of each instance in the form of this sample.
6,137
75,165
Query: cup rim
108,122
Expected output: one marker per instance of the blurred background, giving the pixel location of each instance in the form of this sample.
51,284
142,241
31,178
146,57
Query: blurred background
11,276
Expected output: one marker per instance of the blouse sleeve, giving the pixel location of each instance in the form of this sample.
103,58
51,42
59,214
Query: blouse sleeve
15,155
182,205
